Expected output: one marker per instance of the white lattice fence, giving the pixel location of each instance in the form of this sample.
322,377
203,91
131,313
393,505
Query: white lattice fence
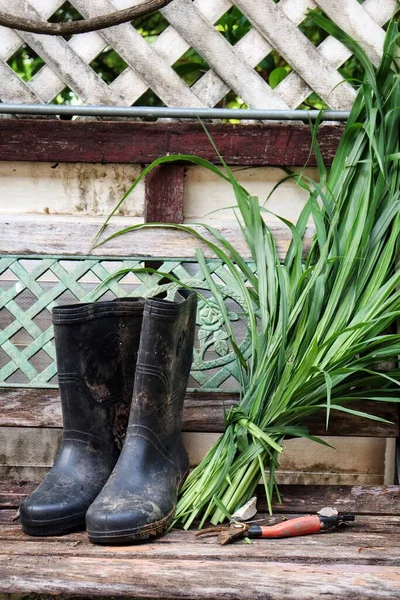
274,26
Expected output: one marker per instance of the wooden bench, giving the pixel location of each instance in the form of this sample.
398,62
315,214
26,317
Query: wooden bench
362,561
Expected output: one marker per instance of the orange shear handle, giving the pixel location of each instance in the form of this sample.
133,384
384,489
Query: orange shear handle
293,527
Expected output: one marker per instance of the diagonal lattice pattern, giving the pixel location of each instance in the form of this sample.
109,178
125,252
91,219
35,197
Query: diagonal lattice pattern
30,287
274,26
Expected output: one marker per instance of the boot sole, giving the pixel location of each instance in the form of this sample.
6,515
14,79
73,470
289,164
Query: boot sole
54,527
127,536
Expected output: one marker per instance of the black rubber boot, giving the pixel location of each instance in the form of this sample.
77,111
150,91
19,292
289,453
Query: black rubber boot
96,347
138,500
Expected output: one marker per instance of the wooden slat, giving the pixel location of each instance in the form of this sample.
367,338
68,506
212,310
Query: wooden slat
46,83
12,494
16,90
360,543
365,500
77,141
293,88
7,516
204,411
221,55
360,562
147,576
62,58
273,24
164,194
352,17
72,236
139,55
251,49
296,499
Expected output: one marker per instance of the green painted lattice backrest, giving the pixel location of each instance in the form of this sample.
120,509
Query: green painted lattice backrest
31,285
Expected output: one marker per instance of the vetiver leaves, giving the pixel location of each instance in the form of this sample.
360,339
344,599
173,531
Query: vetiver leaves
317,327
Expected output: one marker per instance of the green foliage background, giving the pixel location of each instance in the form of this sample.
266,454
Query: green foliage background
191,66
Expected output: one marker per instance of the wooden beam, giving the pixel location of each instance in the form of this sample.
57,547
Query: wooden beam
164,194
73,236
274,144
204,411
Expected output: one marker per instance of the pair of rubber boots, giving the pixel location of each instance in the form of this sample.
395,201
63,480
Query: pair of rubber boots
124,358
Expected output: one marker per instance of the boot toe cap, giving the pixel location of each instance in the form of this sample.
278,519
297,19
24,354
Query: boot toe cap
125,520
46,517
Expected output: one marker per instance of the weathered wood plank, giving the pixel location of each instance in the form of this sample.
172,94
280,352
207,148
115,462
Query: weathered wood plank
24,407
371,540
221,56
147,577
164,187
77,141
293,88
253,47
81,189
351,563
15,89
296,499
273,24
62,58
365,500
364,525
72,236
357,22
8,517
139,55
12,493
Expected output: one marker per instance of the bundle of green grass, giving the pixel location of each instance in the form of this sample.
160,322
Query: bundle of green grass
317,327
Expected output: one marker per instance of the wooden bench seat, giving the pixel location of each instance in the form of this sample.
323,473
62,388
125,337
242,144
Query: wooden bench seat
361,561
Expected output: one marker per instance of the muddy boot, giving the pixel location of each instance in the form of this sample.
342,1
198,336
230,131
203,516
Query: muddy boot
139,498
96,347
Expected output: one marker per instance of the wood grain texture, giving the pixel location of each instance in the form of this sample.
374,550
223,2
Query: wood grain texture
12,494
164,194
184,16
254,574
307,61
270,144
16,89
73,236
203,411
62,58
359,499
364,500
146,62
358,23
361,543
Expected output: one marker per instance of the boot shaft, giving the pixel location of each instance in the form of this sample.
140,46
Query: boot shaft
163,365
96,348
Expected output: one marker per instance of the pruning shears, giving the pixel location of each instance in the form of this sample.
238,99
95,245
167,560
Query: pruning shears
326,518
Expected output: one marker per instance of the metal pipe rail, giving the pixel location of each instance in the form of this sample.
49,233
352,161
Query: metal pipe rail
173,113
